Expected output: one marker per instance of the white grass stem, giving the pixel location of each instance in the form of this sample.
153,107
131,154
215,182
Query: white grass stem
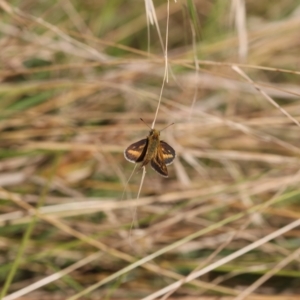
134,215
242,73
165,79
152,19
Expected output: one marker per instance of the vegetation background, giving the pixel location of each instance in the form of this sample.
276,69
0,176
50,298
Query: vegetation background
77,76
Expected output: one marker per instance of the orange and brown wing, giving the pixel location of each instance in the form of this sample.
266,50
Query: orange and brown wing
158,164
168,152
135,153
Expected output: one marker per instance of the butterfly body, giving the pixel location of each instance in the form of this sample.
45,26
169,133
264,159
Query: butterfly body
158,153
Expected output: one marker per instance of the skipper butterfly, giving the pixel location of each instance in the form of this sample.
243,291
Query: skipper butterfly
153,150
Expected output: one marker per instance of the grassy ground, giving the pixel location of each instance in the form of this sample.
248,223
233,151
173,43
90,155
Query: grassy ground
76,77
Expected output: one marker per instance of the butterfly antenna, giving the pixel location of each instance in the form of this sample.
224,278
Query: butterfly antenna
167,126
145,123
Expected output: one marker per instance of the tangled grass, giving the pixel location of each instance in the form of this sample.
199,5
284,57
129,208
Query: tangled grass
76,78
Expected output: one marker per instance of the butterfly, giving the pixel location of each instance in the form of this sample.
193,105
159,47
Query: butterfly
153,150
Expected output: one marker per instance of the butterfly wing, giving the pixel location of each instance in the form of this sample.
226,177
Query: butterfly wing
168,152
135,153
158,164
